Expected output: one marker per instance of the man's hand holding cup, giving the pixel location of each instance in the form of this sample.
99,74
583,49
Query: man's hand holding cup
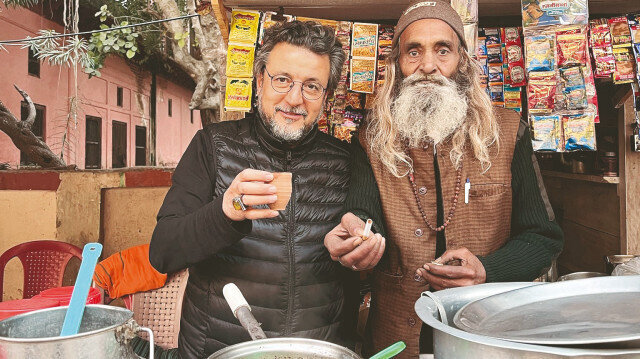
254,188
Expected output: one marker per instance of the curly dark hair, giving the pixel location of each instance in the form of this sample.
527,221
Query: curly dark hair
309,35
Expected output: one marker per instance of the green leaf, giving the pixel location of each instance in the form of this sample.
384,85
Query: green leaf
128,45
124,23
120,42
116,47
129,38
130,54
133,48
106,48
181,42
177,36
103,8
103,18
102,36
103,27
98,14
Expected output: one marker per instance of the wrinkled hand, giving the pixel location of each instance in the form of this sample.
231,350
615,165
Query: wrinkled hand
469,272
346,246
252,184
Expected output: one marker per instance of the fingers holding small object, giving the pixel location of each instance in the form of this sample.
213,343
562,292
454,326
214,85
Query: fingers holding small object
367,229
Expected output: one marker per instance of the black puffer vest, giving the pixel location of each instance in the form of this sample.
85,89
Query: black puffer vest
282,267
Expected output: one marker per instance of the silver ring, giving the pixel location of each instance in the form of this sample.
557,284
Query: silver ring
238,204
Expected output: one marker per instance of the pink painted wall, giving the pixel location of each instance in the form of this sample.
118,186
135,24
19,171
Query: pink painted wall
96,97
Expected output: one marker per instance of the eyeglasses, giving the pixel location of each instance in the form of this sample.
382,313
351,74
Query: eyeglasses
311,90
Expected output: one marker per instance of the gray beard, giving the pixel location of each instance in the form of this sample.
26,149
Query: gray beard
430,111
284,132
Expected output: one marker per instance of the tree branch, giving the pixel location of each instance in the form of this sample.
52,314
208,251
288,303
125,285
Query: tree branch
31,118
24,139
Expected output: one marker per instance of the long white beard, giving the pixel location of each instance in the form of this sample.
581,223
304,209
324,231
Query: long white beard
428,107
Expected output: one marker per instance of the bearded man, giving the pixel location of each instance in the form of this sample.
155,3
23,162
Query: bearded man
214,219
462,198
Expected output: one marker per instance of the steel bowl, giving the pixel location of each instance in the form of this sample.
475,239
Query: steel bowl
285,348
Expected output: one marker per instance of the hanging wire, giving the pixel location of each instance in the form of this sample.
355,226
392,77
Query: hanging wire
20,41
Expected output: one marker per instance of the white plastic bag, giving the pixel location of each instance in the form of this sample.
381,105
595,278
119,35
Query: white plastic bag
632,267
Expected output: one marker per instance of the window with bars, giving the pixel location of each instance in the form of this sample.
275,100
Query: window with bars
37,128
33,67
141,146
93,143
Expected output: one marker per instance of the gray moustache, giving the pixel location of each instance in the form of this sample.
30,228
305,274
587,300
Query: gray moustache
291,110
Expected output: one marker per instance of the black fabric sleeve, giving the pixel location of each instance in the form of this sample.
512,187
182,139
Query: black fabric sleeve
191,224
536,239
363,198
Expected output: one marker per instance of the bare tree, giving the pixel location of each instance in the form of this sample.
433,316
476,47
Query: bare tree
24,139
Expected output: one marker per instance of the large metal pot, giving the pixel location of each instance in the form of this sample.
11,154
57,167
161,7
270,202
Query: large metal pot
285,348
105,333
450,342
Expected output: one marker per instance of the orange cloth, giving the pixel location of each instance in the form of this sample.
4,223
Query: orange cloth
127,272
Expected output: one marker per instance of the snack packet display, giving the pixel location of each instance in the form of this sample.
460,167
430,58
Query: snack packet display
364,40
541,92
363,75
513,98
573,89
539,52
572,49
620,33
605,62
546,133
244,26
579,132
554,12
492,36
494,54
572,77
634,27
624,65
240,60
238,94
354,101
600,35
268,21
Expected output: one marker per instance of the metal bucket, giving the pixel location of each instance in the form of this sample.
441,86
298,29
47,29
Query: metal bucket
105,333
451,342
285,348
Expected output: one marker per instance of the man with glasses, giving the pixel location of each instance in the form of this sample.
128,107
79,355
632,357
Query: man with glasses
215,219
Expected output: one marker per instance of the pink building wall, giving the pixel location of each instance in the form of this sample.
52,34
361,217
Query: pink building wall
96,97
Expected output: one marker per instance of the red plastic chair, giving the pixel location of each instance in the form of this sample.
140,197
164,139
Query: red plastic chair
43,262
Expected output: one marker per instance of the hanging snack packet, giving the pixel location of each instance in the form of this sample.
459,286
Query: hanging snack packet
471,36
542,92
467,9
238,94
244,26
482,48
269,21
600,36
624,65
514,53
579,132
517,74
240,60
634,27
620,33
605,62
494,54
575,98
572,77
353,100
513,98
363,75
495,73
540,52
496,93
545,12
511,35
546,133
364,40
572,49
492,36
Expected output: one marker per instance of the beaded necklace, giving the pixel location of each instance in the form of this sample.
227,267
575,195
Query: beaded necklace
454,201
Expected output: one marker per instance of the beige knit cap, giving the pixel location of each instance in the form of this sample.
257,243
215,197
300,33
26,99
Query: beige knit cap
439,9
